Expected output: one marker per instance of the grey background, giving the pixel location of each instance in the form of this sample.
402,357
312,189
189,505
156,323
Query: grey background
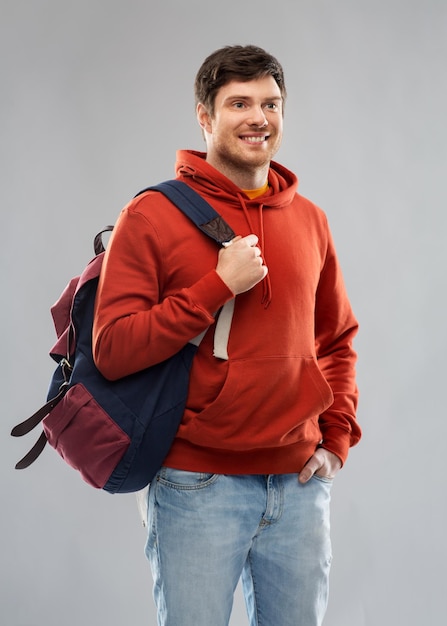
96,96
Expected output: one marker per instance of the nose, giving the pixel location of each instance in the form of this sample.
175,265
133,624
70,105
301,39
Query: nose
259,118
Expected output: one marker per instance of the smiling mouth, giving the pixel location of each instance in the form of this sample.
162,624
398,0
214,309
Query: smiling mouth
253,139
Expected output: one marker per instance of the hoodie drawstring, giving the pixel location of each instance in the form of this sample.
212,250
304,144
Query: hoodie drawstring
266,283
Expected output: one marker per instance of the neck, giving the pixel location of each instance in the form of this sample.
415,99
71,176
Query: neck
243,177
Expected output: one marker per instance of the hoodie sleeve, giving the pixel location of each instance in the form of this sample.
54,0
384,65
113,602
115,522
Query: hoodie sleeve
153,294
335,329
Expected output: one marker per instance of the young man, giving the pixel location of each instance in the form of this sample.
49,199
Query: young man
270,415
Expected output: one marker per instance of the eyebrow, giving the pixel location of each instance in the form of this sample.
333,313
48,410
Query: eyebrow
246,97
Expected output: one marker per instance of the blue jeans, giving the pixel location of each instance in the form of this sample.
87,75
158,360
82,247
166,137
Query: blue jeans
205,531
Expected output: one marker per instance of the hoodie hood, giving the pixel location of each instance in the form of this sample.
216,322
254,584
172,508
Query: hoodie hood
283,183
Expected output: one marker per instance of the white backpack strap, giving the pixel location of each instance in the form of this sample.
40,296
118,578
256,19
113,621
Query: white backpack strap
222,331
142,497
196,341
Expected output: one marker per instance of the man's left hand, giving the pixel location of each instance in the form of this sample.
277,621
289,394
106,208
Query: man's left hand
322,463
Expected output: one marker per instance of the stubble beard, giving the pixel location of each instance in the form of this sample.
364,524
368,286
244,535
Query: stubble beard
232,163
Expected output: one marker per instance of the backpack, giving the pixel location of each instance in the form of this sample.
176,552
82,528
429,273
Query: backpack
115,433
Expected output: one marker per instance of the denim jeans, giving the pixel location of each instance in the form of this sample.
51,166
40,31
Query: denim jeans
205,531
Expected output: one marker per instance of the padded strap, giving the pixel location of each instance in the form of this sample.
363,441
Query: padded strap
196,208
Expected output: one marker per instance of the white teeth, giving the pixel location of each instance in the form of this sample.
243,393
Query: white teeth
254,139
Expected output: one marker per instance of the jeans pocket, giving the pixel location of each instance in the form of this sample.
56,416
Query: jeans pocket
182,479
323,479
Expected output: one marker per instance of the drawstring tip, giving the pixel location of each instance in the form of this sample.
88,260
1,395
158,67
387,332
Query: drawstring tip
266,301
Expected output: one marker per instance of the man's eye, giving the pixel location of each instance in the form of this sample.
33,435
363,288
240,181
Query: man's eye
239,105
272,106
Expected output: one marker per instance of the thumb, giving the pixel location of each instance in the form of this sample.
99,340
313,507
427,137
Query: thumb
308,470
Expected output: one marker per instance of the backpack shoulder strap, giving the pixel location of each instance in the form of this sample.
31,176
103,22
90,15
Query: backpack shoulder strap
196,208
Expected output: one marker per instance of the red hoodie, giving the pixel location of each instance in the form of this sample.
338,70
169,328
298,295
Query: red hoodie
288,384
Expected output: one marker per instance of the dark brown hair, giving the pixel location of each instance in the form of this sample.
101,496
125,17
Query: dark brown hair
229,63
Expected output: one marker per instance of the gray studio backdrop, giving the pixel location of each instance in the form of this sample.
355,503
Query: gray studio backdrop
96,96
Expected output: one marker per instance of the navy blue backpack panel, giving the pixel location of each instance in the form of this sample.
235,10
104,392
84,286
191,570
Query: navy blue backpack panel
115,433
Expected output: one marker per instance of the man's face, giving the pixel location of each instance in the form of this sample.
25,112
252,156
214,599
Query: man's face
245,130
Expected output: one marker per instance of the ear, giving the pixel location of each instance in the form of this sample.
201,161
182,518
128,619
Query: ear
204,118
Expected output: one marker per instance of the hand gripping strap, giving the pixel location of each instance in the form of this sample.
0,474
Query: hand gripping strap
212,224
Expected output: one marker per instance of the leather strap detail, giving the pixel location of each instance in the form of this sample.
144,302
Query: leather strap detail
218,230
27,426
32,455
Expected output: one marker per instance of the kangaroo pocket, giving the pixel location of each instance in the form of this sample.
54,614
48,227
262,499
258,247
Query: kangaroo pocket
263,403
